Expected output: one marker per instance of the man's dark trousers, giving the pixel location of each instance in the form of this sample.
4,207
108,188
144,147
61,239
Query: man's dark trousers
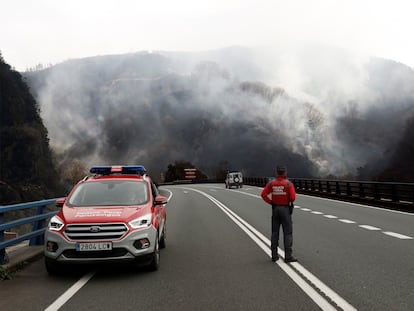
281,216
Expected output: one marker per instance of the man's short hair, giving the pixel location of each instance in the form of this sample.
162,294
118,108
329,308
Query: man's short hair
281,170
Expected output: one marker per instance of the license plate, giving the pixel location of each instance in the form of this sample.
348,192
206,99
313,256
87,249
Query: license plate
94,246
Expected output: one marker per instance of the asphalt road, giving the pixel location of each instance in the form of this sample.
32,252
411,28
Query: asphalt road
218,258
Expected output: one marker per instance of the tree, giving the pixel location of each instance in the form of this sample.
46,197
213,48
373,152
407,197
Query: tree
27,172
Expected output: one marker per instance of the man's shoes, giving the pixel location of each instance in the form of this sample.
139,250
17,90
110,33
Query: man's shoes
290,259
274,259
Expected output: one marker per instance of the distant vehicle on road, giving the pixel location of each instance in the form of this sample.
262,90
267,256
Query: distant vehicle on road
234,179
116,214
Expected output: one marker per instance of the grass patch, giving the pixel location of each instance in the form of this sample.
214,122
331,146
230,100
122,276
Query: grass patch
5,274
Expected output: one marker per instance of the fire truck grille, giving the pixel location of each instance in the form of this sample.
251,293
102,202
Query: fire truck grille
83,232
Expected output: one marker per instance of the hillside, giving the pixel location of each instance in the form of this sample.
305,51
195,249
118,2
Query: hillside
322,114
401,166
26,169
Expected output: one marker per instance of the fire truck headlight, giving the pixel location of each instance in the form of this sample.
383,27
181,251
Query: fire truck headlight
55,224
141,222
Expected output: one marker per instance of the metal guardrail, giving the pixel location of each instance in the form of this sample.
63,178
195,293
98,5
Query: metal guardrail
387,194
38,228
256,181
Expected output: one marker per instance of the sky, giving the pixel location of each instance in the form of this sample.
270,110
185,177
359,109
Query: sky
51,31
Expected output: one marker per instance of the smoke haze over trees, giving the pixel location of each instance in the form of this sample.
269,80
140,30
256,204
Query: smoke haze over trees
321,114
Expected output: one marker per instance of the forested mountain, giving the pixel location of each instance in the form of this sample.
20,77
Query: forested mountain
26,169
401,165
322,112
321,115
138,109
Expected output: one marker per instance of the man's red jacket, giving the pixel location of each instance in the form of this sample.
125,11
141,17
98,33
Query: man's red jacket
282,193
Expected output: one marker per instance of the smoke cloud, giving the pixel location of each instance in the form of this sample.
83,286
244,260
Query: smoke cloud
320,111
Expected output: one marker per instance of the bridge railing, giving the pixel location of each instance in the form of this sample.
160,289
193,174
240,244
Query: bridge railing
38,227
386,194
256,181
396,193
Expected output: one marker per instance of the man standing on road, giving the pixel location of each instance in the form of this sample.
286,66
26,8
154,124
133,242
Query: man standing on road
283,195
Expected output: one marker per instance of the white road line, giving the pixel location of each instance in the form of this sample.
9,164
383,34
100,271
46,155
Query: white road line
344,202
306,209
70,292
170,196
397,235
262,241
401,236
368,227
360,205
330,216
347,221
249,194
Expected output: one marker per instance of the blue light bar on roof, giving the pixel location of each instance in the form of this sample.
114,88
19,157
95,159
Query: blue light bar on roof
121,169
133,169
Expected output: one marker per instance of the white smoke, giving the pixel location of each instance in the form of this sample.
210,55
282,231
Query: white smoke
324,104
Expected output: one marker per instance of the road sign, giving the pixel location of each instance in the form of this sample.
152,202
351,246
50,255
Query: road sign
190,173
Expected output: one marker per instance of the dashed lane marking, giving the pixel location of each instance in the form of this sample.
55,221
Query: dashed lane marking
368,227
330,216
347,221
397,235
